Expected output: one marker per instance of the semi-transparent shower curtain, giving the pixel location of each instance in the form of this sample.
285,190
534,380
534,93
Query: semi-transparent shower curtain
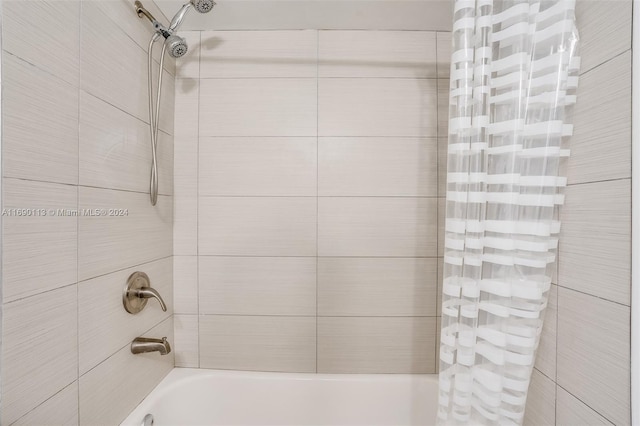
514,72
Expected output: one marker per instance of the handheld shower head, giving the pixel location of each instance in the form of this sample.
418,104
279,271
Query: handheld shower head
203,6
176,45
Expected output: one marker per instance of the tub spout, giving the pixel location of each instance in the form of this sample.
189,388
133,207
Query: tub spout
144,344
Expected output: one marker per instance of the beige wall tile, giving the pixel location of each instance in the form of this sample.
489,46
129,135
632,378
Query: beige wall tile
112,68
166,119
541,401
593,353
442,217
56,52
188,66
600,148
595,240
377,287
104,325
443,41
185,226
108,243
257,285
258,343
186,120
114,149
443,108
377,167
185,176
377,107
571,411
400,54
440,279
258,107
110,391
546,354
39,253
399,227
165,165
39,350
443,158
258,166
185,285
61,409
257,226
119,12
39,123
241,54
605,30
185,346
376,345
437,349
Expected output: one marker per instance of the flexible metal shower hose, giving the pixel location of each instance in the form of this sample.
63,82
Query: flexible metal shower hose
154,117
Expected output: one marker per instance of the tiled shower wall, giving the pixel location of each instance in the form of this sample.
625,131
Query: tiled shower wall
75,137
306,200
583,367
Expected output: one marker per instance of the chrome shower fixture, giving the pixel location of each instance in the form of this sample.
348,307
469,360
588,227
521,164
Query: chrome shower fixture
177,47
202,6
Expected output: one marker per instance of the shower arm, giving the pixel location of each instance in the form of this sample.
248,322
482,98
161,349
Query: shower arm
144,13
141,11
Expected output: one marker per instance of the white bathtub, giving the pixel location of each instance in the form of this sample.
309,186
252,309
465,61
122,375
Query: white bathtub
211,397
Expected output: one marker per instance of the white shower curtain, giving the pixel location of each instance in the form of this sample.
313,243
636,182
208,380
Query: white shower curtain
514,72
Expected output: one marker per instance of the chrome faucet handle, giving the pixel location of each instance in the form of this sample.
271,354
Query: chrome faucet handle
137,291
148,292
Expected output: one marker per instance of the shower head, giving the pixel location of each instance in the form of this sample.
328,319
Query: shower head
203,6
176,45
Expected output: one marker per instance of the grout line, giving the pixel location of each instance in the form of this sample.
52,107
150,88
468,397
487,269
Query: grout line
9,178
317,316
598,181
604,62
251,256
121,110
317,177
197,195
410,197
592,295
78,218
438,302
39,294
2,220
124,269
78,282
321,78
127,345
130,191
555,378
232,30
426,137
43,70
581,401
542,373
48,399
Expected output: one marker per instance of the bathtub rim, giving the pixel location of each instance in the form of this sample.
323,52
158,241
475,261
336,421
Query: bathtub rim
180,375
